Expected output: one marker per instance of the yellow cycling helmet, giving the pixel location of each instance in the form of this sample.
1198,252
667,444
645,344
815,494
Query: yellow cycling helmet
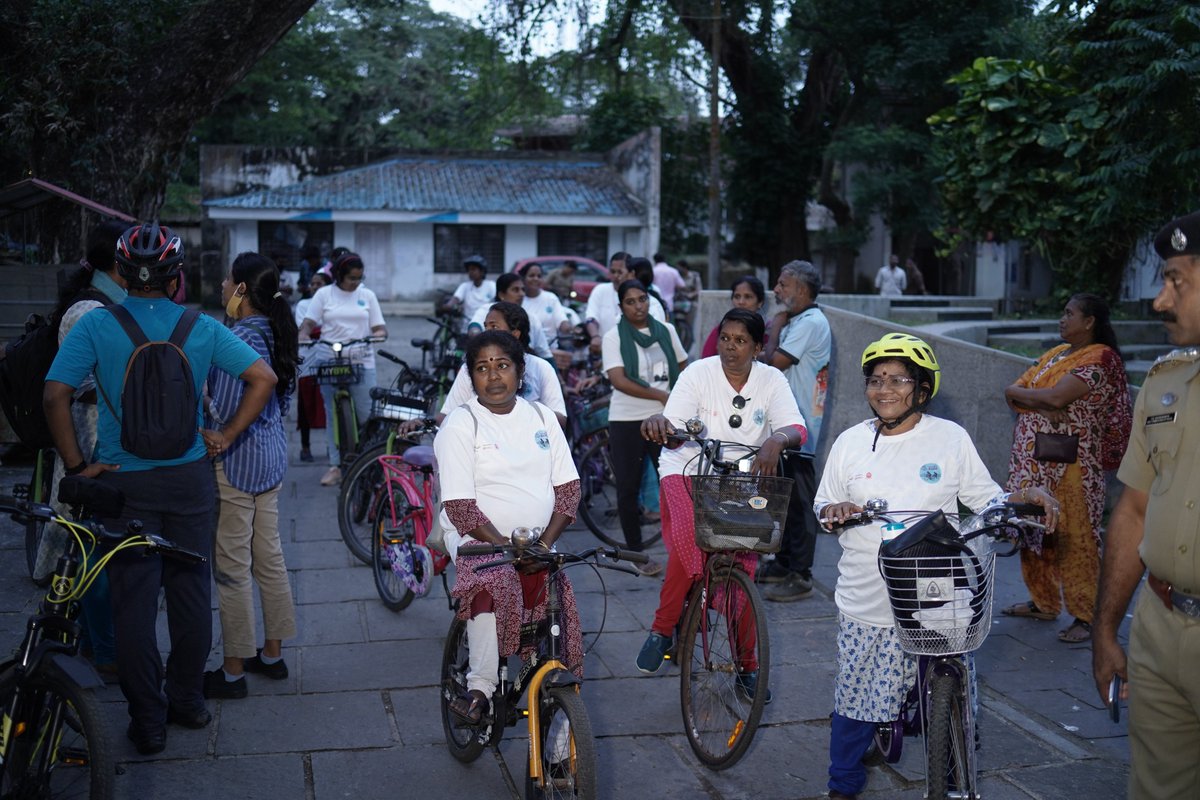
907,347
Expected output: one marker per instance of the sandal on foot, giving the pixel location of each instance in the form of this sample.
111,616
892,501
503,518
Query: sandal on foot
1027,609
470,707
1075,633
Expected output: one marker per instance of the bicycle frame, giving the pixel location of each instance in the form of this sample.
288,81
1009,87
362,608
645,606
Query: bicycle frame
420,500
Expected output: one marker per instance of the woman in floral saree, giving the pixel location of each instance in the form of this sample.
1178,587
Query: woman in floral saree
1078,388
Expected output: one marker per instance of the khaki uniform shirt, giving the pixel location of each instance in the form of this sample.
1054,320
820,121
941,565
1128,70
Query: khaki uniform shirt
1163,460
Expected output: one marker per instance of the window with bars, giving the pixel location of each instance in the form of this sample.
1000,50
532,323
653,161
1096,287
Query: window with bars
573,240
453,243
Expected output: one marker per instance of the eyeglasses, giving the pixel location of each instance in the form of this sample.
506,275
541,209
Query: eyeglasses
739,402
894,383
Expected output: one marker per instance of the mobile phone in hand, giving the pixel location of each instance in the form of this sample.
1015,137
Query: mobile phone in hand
1114,698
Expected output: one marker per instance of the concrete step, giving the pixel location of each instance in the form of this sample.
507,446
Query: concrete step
923,315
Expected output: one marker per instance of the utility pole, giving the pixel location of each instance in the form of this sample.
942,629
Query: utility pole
714,154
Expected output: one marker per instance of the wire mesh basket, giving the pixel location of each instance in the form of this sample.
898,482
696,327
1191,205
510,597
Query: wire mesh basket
338,373
395,406
942,604
740,512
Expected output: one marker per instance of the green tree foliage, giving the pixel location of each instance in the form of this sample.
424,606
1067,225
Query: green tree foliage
1087,150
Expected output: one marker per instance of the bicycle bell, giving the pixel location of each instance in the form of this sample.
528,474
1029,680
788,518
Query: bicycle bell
524,538
694,426
877,506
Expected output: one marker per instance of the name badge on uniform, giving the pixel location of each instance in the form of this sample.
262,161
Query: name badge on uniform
1159,419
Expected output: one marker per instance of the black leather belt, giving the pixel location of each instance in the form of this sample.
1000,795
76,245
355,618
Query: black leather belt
1178,601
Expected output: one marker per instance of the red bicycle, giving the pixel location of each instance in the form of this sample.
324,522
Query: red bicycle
405,513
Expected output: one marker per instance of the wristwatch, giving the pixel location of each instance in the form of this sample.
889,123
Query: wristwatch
75,470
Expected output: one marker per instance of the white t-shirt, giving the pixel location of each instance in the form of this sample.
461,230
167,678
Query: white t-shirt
931,467
343,316
703,391
890,281
604,307
537,338
475,297
541,384
509,466
652,368
545,311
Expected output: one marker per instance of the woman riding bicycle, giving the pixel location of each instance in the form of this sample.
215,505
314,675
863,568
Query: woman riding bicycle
503,463
739,400
344,311
913,461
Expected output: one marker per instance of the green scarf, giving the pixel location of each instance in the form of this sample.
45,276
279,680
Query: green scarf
632,339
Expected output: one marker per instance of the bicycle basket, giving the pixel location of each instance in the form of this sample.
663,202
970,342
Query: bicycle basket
939,588
393,405
740,512
338,373
593,420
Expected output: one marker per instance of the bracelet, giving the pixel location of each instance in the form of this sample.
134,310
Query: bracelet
75,470
783,434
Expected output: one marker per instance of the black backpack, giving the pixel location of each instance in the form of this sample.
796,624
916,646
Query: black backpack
23,375
158,396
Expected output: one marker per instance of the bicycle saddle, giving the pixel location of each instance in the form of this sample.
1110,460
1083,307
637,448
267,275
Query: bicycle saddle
98,498
422,344
419,456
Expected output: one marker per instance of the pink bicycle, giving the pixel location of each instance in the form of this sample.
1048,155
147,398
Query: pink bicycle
405,509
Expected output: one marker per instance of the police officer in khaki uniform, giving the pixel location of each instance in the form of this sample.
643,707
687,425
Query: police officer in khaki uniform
1156,527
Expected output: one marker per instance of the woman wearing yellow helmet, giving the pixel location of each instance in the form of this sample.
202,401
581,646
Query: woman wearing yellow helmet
912,460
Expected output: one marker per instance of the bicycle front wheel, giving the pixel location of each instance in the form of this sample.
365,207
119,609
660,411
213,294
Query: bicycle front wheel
568,750
392,555
464,740
63,750
360,498
598,496
345,429
724,661
946,747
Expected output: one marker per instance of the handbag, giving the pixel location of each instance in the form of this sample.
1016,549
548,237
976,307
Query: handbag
1058,448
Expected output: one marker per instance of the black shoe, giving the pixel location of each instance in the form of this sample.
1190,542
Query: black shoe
773,572
147,743
196,719
217,688
276,672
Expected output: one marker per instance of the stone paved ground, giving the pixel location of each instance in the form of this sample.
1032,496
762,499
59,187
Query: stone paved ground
358,717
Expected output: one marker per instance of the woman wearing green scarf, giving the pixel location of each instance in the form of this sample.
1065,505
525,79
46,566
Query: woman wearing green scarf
642,358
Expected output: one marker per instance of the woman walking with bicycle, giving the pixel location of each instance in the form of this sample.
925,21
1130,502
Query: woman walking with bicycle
344,311
912,460
249,471
740,400
643,359
503,463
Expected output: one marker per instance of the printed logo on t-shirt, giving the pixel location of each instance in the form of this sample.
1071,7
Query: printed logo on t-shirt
930,473
543,439
760,416
362,302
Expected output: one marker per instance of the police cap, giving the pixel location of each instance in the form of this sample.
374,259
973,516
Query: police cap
1179,237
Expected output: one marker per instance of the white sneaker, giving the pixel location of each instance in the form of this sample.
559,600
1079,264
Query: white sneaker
333,477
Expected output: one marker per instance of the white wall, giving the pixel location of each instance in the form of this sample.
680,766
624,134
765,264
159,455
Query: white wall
243,238
520,241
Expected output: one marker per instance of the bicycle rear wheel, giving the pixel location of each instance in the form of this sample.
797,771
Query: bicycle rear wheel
360,498
464,740
567,747
63,751
724,658
947,744
598,496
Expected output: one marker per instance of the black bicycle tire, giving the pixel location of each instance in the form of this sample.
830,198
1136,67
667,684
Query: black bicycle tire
594,518
350,503
583,777
82,715
945,707
343,418
725,694
392,592
463,742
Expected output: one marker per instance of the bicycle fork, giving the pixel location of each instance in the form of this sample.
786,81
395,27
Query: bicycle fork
559,676
962,744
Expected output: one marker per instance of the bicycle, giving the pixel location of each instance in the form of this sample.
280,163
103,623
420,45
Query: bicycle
940,584
722,646
562,754
53,738
342,373
402,565
36,491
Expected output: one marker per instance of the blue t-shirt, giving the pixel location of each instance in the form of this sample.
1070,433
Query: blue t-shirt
99,344
806,338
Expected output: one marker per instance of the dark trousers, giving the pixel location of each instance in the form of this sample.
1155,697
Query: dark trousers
849,741
629,452
176,503
800,531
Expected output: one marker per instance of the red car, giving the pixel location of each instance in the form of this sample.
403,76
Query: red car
587,272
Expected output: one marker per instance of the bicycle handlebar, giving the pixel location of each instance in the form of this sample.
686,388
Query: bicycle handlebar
997,515
547,556
342,345
390,357
25,510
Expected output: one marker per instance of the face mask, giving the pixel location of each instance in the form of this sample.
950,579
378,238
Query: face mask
235,301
